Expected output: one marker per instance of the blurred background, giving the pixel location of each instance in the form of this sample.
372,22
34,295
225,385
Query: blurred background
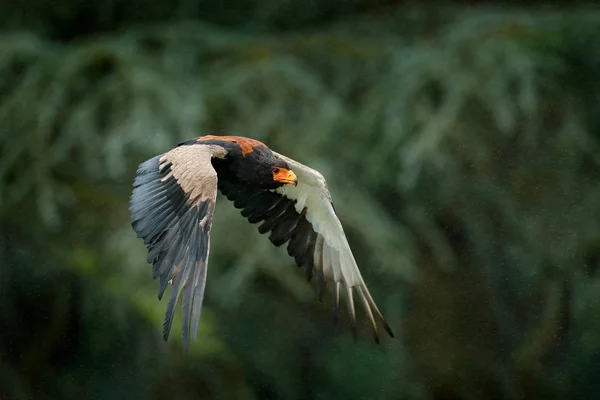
461,143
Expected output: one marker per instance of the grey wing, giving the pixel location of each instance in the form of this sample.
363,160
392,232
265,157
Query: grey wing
171,209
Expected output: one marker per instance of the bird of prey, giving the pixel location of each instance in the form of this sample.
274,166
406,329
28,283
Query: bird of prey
172,207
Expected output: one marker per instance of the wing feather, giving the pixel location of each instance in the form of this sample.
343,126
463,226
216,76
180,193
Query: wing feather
171,209
332,253
304,216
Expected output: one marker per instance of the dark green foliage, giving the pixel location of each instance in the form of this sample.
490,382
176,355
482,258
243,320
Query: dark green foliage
462,152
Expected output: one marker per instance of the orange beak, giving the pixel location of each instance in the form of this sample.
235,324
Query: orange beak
285,176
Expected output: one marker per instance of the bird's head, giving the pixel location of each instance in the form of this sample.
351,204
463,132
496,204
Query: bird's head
283,175
262,168
272,174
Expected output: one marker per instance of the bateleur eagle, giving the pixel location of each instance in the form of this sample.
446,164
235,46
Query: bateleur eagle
172,206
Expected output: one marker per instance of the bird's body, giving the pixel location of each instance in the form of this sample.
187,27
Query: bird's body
173,202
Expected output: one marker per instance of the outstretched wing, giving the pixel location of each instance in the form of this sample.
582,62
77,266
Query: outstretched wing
171,209
304,216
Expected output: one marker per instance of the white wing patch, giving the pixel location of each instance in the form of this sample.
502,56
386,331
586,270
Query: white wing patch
320,213
332,251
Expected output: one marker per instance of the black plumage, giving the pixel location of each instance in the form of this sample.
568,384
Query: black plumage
278,216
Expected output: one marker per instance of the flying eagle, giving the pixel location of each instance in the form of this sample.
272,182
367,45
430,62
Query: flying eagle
172,207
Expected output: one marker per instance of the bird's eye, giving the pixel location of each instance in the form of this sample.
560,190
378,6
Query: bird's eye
275,170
